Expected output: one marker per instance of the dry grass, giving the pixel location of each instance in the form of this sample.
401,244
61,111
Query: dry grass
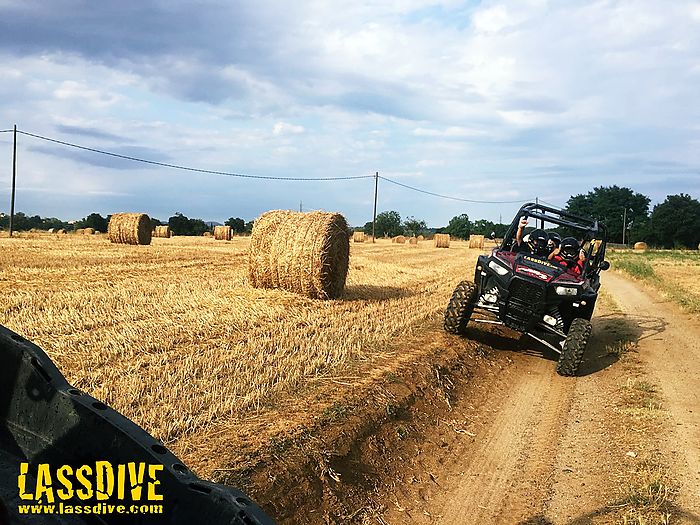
193,355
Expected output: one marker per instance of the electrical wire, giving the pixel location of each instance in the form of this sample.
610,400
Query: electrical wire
6,130
187,168
448,196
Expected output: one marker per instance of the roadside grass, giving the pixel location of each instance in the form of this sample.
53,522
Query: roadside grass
672,272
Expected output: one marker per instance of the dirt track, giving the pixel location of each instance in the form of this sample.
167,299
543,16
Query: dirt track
525,446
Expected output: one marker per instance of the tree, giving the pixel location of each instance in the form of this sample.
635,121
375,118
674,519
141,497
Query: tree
676,222
237,224
388,223
249,227
94,221
413,227
608,204
459,226
181,225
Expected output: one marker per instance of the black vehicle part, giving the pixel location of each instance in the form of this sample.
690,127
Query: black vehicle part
43,419
460,308
574,347
525,304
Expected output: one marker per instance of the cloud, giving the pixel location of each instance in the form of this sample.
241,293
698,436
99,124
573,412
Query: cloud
284,128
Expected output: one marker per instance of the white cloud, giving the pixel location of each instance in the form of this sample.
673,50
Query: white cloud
284,128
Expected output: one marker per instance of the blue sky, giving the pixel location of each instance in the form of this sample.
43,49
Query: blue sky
481,100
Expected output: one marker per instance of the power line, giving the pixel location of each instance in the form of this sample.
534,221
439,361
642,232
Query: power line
448,196
188,168
6,130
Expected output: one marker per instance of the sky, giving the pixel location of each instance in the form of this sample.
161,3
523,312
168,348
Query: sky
486,101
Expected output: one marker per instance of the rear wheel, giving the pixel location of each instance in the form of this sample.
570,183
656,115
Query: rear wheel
574,347
460,308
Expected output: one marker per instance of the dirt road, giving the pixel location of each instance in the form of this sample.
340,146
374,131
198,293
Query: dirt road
526,446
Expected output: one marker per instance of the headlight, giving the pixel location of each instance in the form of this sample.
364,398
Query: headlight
566,290
500,270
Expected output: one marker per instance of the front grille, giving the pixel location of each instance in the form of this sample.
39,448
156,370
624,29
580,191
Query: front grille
525,301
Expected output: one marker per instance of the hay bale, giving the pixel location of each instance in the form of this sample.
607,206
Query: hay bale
641,246
207,234
305,253
399,239
222,233
413,240
358,237
476,241
162,231
130,228
442,240
61,231
420,238
79,231
88,231
51,230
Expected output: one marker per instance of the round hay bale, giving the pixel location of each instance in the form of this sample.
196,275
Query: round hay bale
358,237
305,253
61,231
51,230
88,231
420,238
222,233
442,240
162,231
476,241
641,246
413,240
207,234
130,228
399,239
79,231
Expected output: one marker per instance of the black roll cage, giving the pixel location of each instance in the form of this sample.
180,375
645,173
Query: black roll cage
591,227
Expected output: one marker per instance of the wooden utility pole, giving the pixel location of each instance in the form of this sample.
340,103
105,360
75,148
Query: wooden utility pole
374,216
14,178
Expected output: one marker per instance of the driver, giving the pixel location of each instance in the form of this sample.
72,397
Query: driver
570,255
535,242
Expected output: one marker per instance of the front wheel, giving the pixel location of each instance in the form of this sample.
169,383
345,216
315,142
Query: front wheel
574,347
460,308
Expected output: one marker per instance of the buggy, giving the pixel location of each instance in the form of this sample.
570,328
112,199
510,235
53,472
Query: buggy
533,295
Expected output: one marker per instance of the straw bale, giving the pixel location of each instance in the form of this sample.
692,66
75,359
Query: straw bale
399,239
305,253
88,231
476,241
442,240
162,231
358,237
420,238
641,246
207,234
413,240
79,231
61,231
51,230
130,228
222,233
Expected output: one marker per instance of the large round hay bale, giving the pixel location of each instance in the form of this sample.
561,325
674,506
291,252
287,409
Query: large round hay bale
476,241
358,237
641,246
51,230
162,231
79,231
399,239
130,228
61,231
207,234
305,253
413,240
442,240
222,233
420,238
88,231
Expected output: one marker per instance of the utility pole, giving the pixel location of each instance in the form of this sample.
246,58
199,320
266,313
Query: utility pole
624,225
299,206
14,177
374,216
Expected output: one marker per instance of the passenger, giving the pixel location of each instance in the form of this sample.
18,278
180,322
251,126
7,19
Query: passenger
554,241
535,242
570,255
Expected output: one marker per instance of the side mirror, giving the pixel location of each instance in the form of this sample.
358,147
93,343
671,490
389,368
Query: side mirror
605,265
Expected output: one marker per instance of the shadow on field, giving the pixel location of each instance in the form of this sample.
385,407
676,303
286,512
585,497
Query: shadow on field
369,292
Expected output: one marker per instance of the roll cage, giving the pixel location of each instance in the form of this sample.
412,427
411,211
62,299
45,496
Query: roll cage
589,230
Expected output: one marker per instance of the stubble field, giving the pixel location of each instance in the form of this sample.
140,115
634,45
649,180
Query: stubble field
174,337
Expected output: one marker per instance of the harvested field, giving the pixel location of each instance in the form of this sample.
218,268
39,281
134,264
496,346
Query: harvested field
189,354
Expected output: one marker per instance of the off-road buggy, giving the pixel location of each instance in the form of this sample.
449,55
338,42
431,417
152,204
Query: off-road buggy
533,295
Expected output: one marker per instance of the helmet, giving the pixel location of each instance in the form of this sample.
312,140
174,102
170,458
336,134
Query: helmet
554,240
570,248
538,241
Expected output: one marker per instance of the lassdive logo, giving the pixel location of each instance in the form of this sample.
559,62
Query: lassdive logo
539,261
535,273
99,488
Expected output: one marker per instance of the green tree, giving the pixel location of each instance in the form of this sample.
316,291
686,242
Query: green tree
675,223
413,227
608,204
237,224
459,226
95,221
388,224
249,227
